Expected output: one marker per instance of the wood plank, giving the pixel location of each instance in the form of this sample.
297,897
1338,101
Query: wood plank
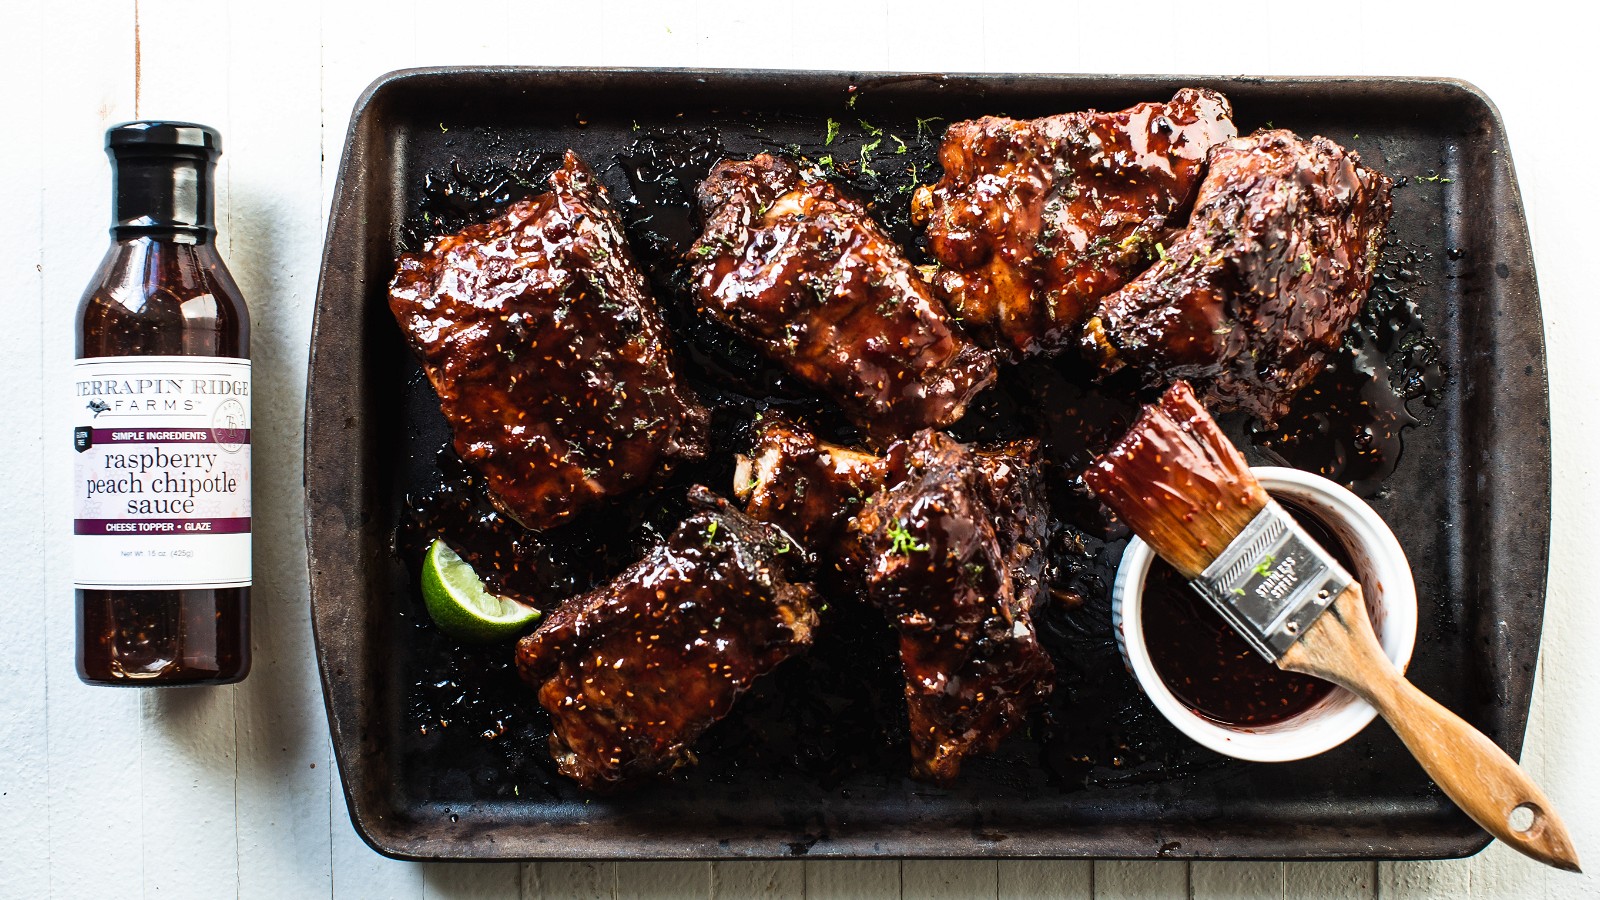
189,830
663,880
470,881
189,837
84,863
850,879
1003,52
647,33
1406,880
1120,879
95,802
817,41
949,879
24,694
273,142
918,41
1236,880
733,33
735,880
576,880
1031,879
1330,54
1562,726
1553,750
361,40
529,26
1331,881
1500,873
357,873
487,43
1465,45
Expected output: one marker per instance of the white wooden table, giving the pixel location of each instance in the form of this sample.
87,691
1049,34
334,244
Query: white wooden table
233,791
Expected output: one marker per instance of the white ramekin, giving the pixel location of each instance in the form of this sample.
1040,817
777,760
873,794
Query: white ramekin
1391,600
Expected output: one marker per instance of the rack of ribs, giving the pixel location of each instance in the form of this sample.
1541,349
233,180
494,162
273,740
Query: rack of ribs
946,539
952,551
635,671
805,485
1250,298
548,353
1035,220
794,265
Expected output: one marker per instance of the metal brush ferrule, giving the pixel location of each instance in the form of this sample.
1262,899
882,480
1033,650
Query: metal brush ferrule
1272,581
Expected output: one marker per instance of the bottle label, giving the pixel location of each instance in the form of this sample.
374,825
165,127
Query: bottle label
162,481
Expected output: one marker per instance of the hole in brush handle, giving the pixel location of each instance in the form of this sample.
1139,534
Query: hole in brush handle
1524,817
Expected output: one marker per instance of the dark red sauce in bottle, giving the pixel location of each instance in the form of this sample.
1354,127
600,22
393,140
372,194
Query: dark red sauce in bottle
162,431
1208,666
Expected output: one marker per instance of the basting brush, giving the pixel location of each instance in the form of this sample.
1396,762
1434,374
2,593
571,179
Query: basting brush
1183,487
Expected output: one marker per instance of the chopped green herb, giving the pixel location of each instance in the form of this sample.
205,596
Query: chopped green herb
900,145
851,100
442,129
826,162
866,149
1434,179
902,541
1264,568
711,532
869,128
833,132
785,547
927,124
1305,262
1161,251
1098,247
1133,243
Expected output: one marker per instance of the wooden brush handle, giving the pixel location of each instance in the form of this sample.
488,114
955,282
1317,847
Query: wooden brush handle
1486,783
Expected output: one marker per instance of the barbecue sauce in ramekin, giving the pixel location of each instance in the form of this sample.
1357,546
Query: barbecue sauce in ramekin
1208,666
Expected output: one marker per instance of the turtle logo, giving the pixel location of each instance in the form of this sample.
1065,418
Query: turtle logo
98,407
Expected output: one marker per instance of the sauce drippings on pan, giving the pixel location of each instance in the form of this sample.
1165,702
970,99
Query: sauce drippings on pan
837,716
1347,424
1208,666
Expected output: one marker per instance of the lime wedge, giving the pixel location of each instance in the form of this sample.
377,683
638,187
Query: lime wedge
461,606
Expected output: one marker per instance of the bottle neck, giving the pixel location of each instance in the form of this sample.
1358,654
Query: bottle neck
163,197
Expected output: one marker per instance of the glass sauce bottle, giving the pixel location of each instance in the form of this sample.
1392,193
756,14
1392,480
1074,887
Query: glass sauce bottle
162,562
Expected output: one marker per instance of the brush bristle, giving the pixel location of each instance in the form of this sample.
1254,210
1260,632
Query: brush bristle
1178,482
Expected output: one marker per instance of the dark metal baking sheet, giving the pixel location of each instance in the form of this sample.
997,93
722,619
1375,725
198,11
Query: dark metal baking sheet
1470,501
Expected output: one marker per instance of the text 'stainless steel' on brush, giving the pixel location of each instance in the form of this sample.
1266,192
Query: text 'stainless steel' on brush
1185,489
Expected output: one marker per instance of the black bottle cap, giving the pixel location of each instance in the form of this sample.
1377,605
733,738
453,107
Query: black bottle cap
182,138
163,178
